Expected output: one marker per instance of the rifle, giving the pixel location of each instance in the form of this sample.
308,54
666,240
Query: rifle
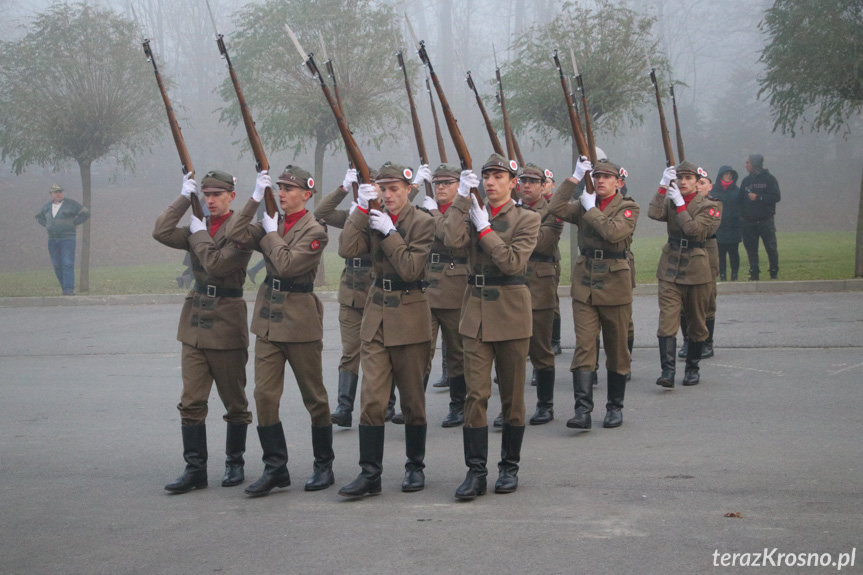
591,144
185,160
332,74
350,144
418,131
451,123
663,127
261,162
492,135
440,145
574,122
512,149
680,152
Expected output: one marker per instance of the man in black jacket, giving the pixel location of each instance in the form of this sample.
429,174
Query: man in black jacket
758,198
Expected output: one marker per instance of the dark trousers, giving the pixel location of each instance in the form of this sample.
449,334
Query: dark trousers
766,230
63,257
731,250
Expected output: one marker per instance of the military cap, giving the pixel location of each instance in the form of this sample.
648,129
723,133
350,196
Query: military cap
533,171
498,163
296,176
390,172
606,167
217,179
55,188
446,172
687,167
373,174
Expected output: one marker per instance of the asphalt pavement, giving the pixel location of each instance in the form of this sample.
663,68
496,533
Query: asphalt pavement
89,434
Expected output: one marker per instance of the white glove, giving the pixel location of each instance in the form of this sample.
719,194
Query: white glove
270,224
365,193
353,207
467,181
262,182
381,222
668,176
350,179
429,203
674,194
196,225
190,186
423,175
478,215
588,201
582,167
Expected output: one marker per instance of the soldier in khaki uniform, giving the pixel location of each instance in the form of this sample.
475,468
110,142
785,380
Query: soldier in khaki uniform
288,323
396,326
447,272
684,272
213,328
543,271
496,322
601,285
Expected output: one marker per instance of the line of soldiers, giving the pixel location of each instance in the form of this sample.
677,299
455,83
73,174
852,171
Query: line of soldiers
486,276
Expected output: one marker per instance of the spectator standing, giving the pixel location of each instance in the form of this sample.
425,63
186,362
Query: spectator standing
759,194
60,217
728,235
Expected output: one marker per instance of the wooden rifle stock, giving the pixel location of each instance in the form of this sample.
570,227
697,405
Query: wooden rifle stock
574,122
176,132
332,74
663,126
680,153
441,148
415,119
591,143
451,123
492,135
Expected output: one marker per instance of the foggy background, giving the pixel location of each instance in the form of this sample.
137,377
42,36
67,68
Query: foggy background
713,48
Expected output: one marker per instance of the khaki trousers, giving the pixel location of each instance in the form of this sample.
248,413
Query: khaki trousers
447,320
693,300
200,367
510,357
614,322
350,319
541,354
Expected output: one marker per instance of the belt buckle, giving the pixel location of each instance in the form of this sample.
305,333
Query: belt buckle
211,291
435,258
357,262
479,281
598,254
277,284
387,285
684,243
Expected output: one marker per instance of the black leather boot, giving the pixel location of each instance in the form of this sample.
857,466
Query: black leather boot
614,405
322,447
347,394
544,397
195,454
555,336
708,345
583,389
444,376
475,457
415,450
235,446
498,421
275,461
667,347
691,375
457,393
685,346
510,455
391,405
368,482
533,378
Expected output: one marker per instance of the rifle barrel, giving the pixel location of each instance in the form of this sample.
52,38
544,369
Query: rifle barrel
574,122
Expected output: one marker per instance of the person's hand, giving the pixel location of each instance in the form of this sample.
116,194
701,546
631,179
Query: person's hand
588,200
196,225
381,222
366,193
270,224
350,179
752,197
429,203
262,182
668,176
582,167
423,175
353,207
190,186
478,215
674,195
467,181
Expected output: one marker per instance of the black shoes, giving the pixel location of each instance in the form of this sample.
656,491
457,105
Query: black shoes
475,456
347,394
582,385
195,454
510,455
368,482
275,460
544,397
415,450
614,405
667,347
322,446
457,392
235,446
691,375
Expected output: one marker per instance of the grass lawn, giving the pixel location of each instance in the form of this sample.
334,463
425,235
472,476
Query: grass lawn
802,256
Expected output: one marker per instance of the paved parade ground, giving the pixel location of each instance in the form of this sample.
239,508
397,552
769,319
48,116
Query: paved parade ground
90,434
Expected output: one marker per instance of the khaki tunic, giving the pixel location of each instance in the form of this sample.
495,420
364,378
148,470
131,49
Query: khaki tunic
713,255
543,273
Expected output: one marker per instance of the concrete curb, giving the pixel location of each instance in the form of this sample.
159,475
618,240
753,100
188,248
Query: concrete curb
331,296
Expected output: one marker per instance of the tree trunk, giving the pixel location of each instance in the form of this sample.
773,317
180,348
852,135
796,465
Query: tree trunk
320,148
86,189
858,258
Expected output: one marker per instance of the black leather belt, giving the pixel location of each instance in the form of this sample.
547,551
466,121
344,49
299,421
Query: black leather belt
684,243
603,254
360,262
542,258
435,258
286,285
483,280
218,291
713,237
398,284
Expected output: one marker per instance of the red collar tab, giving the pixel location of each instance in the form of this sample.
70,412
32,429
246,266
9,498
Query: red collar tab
444,207
216,223
495,211
293,219
604,202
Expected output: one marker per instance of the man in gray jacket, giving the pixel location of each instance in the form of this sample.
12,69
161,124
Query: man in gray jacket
60,216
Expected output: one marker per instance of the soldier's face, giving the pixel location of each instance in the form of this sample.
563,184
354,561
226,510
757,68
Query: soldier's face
498,186
218,201
445,190
686,183
395,195
606,185
530,190
292,199
703,186
548,188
